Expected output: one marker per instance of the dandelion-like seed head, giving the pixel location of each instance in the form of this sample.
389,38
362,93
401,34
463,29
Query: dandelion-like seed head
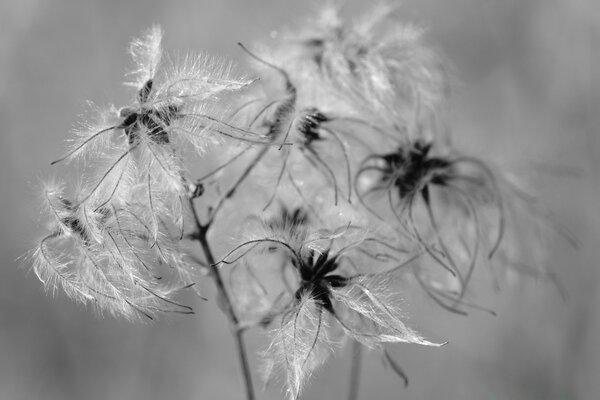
324,295
344,111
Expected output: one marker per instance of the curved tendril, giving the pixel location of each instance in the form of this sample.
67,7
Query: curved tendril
422,242
497,197
54,210
108,200
350,331
86,197
346,160
285,160
76,149
381,305
225,165
353,332
49,261
244,253
188,309
268,64
287,132
121,257
385,244
433,296
149,232
404,229
397,369
42,245
318,160
439,238
135,253
152,212
464,303
165,227
263,111
314,343
255,241
240,108
124,297
64,277
225,129
284,277
160,162
473,212
397,214
352,136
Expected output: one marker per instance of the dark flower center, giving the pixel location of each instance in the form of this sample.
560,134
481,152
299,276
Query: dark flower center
318,278
309,125
154,119
410,168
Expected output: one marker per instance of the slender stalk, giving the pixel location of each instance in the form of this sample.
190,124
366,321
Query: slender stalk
237,183
201,236
355,370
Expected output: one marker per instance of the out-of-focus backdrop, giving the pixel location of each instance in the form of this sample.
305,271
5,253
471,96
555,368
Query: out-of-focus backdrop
529,95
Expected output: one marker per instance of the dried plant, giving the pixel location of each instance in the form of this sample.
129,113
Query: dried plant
339,176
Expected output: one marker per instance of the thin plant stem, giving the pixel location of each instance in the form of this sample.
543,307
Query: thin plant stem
355,370
237,183
201,237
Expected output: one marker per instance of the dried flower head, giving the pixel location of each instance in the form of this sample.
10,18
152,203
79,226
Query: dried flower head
343,110
455,191
107,257
322,297
377,63
175,114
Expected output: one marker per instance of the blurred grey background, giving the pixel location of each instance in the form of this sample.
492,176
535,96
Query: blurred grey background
529,94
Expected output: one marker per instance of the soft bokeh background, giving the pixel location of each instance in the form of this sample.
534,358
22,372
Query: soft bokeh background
529,96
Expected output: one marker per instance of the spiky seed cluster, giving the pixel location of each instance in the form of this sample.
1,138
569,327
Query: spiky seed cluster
323,295
357,190
109,257
362,106
378,64
115,239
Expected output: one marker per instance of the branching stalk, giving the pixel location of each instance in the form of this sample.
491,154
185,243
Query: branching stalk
201,237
